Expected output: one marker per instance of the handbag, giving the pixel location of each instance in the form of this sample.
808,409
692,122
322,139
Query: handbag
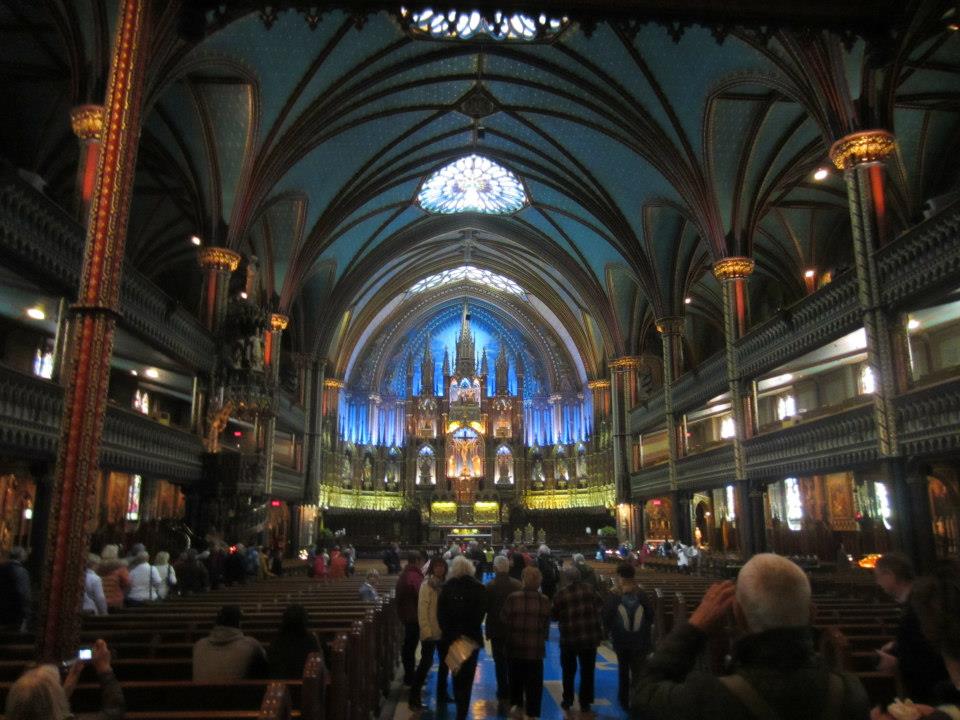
458,653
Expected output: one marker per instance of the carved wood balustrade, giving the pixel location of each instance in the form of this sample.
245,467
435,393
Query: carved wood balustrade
45,244
30,411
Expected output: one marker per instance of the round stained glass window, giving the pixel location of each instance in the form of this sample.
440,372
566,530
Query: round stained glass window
472,184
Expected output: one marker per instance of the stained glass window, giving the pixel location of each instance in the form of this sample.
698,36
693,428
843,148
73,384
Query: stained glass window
43,364
470,24
472,184
133,498
794,504
468,273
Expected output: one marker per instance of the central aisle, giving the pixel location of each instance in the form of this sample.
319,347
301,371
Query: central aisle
484,697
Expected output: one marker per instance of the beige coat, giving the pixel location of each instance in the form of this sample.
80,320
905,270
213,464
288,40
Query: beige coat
427,609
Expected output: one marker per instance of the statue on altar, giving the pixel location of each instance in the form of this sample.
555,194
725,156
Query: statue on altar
528,533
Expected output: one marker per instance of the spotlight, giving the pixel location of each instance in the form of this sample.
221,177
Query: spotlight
821,174
687,300
243,295
913,324
809,274
36,313
134,373
152,373
194,240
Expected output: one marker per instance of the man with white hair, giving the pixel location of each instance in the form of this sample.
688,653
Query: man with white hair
498,590
776,672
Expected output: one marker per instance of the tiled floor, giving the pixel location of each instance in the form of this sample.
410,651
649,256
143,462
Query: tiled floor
484,700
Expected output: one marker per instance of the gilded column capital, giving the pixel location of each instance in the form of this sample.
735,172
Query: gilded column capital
626,362
733,268
334,384
218,257
87,121
862,147
599,384
670,325
279,322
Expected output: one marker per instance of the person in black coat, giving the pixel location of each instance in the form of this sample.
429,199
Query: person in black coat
288,651
461,608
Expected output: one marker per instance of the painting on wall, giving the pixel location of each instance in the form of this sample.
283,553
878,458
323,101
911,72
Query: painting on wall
840,502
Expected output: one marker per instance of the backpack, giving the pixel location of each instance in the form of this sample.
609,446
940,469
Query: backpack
630,624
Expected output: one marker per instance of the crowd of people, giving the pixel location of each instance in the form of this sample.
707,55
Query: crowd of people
445,607
773,670
113,581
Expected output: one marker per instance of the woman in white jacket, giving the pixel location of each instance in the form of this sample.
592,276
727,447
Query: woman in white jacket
168,577
430,635
144,581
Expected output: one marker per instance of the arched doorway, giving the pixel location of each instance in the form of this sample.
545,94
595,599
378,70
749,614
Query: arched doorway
944,515
702,522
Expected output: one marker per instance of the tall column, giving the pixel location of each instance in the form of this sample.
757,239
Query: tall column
217,263
671,332
271,353
313,401
622,378
95,312
861,157
732,272
87,124
598,464
329,421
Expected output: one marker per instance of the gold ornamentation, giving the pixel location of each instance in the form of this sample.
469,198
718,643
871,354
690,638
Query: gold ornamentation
334,383
626,362
218,257
599,384
588,497
733,268
862,147
670,325
279,322
87,121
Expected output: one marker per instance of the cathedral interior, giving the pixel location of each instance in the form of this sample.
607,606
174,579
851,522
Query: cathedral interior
291,271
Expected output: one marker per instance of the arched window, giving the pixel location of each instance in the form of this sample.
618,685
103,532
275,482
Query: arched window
794,503
426,474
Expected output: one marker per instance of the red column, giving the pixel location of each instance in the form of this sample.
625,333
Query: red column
217,263
87,124
85,396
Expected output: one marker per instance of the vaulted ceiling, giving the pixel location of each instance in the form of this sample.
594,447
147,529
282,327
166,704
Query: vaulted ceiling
646,155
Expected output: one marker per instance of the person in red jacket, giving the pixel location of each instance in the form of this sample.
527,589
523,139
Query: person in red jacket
407,593
338,565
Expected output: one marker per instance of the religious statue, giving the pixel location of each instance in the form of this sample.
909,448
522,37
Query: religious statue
367,472
426,469
542,536
581,465
538,470
345,467
503,468
517,536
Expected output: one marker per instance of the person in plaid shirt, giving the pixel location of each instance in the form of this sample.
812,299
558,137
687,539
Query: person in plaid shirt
526,624
577,608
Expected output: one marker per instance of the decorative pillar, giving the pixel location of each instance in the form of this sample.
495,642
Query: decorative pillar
861,156
312,458
623,398
330,407
271,354
95,313
732,272
671,332
87,124
598,462
217,263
